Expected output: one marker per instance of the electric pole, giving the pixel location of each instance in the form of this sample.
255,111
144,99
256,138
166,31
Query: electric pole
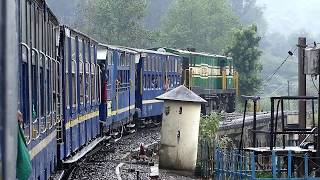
288,95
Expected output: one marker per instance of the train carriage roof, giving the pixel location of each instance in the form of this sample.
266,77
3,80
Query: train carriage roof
119,48
103,48
42,4
83,35
186,52
153,52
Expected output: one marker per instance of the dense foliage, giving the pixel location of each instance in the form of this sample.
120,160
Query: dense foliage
246,54
115,22
209,125
203,24
249,13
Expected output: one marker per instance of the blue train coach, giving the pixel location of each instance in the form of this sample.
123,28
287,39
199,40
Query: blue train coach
118,87
81,85
40,90
156,73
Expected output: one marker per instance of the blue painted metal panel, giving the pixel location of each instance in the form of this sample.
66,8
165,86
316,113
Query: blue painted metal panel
242,165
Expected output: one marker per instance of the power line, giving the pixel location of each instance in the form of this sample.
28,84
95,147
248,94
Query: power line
290,53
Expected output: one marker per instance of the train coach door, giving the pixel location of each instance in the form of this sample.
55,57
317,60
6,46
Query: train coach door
139,80
187,78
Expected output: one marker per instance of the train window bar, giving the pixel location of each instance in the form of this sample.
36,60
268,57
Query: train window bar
74,84
87,83
82,81
66,80
93,83
53,96
58,109
53,93
36,112
44,98
99,83
27,59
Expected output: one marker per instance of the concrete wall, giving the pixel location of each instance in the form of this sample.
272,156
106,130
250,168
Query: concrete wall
179,153
232,129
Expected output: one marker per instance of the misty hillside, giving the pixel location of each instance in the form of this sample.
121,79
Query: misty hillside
281,28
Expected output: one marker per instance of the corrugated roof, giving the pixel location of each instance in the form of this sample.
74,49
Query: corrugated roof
119,48
152,51
181,93
181,51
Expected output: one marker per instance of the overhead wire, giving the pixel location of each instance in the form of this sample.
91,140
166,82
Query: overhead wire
278,68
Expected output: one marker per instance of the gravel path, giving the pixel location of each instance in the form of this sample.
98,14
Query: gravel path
102,164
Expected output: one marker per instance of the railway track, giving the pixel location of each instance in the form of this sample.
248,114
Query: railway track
101,163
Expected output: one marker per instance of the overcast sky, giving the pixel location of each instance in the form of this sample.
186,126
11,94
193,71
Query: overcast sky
287,16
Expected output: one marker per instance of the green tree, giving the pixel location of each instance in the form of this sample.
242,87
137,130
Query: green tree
117,22
209,125
203,24
246,54
249,12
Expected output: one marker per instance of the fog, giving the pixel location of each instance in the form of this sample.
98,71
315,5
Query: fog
289,16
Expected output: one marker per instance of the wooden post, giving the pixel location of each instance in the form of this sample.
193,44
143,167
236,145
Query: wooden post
302,84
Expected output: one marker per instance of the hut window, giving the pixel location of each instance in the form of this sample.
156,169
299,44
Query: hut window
167,110
180,110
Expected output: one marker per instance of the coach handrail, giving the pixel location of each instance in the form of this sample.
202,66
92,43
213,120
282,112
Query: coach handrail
51,86
37,120
99,82
75,95
54,81
93,73
45,93
28,139
59,87
82,88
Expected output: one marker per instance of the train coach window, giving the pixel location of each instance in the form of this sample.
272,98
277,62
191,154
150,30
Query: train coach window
80,48
150,63
73,48
82,83
145,81
73,72
87,78
152,58
98,82
122,59
109,58
35,94
42,89
74,85
145,63
127,60
176,65
66,80
92,53
50,74
82,60
93,83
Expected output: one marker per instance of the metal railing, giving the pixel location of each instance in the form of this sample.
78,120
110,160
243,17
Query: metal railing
234,164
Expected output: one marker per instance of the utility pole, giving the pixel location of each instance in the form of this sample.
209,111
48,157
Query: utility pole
302,84
288,95
318,126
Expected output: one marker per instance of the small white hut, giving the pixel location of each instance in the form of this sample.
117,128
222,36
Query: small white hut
180,129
